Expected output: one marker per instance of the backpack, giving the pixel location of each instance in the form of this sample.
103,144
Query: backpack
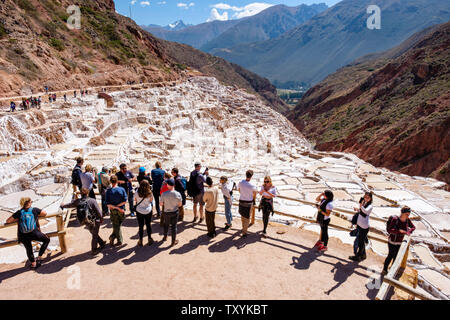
84,214
234,187
192,187
27,221
389,222
76,176
184,182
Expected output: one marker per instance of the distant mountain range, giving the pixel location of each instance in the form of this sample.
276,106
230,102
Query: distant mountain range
391,109
217,35
334,38
176,26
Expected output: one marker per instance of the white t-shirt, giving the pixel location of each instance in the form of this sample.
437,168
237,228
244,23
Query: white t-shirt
145,207
246,190
364,222
87,180
273,190
330,206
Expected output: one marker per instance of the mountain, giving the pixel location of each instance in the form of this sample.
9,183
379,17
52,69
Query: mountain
335,37
177,25
392,110
195,36
268,24
38,49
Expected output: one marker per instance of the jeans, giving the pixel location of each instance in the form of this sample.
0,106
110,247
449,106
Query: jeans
131,200
94,230
392,255
156,196
171,218
228,214
362,234
117,219
105,209
144,219
324,231
210,222
35,235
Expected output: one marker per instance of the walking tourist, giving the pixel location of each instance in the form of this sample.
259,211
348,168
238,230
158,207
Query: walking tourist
323,217
268,192
362,225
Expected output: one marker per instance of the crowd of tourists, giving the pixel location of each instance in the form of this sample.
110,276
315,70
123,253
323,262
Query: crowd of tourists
162,194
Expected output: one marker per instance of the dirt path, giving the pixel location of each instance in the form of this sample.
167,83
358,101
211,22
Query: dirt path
284,266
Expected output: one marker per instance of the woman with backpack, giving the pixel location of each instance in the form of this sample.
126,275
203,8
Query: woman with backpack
28,230
397,227
323,218
362,223
268,192
144,208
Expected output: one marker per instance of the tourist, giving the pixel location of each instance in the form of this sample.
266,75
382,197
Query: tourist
143,176
196,189
180,186
103,185
76,172
171,201
211,198
157,178
65,98
323,217
397,227
247,192
12,106
50,98
39,102
116,198
227,192
164,187
144,202
88,178
74,93
125,181
364,211
28,230
268,192
94,227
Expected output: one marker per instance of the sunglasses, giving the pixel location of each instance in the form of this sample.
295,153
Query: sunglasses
266,181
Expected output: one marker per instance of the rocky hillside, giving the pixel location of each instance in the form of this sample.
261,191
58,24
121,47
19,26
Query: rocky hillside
39,49
393,111
336,37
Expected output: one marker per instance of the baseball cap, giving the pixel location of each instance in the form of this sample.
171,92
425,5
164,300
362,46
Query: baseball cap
141,169
170,182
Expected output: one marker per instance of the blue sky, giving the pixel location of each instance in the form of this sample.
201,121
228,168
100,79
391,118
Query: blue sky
163,12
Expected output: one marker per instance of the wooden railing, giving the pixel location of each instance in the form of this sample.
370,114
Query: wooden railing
399,265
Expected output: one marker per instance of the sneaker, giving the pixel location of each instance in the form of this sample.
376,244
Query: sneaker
384,272
322,248
195,219
355,258
164,239
102,245
244,236
264,235
318,244
140,243
132,214
226,227
111,241
95,252
174,243
201,220
150,242
118,244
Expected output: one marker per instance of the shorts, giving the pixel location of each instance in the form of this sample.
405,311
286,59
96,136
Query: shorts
244,208
199,199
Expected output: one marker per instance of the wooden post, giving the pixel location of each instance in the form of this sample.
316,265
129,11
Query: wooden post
61,233
405,257
412,291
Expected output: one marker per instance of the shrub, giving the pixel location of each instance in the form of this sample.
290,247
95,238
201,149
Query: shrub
57,44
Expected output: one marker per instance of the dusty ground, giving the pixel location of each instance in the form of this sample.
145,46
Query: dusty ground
283,266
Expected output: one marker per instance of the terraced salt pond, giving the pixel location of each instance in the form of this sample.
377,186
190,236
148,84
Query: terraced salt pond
229,131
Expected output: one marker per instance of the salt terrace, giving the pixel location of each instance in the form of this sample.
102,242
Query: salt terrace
229,131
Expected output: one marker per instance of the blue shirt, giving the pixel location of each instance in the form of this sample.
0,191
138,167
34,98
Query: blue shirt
158,178
124,177
116,195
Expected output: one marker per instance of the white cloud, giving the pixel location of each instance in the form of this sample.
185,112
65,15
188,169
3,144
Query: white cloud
185,5
145,3
133,2
240,12
162,2
215,15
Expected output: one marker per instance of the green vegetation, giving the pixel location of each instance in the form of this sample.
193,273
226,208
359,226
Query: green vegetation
57,44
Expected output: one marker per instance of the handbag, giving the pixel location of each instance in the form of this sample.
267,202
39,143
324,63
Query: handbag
355,218
137,205
354,233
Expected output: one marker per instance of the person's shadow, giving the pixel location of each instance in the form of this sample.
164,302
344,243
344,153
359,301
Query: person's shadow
304,261
341,273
